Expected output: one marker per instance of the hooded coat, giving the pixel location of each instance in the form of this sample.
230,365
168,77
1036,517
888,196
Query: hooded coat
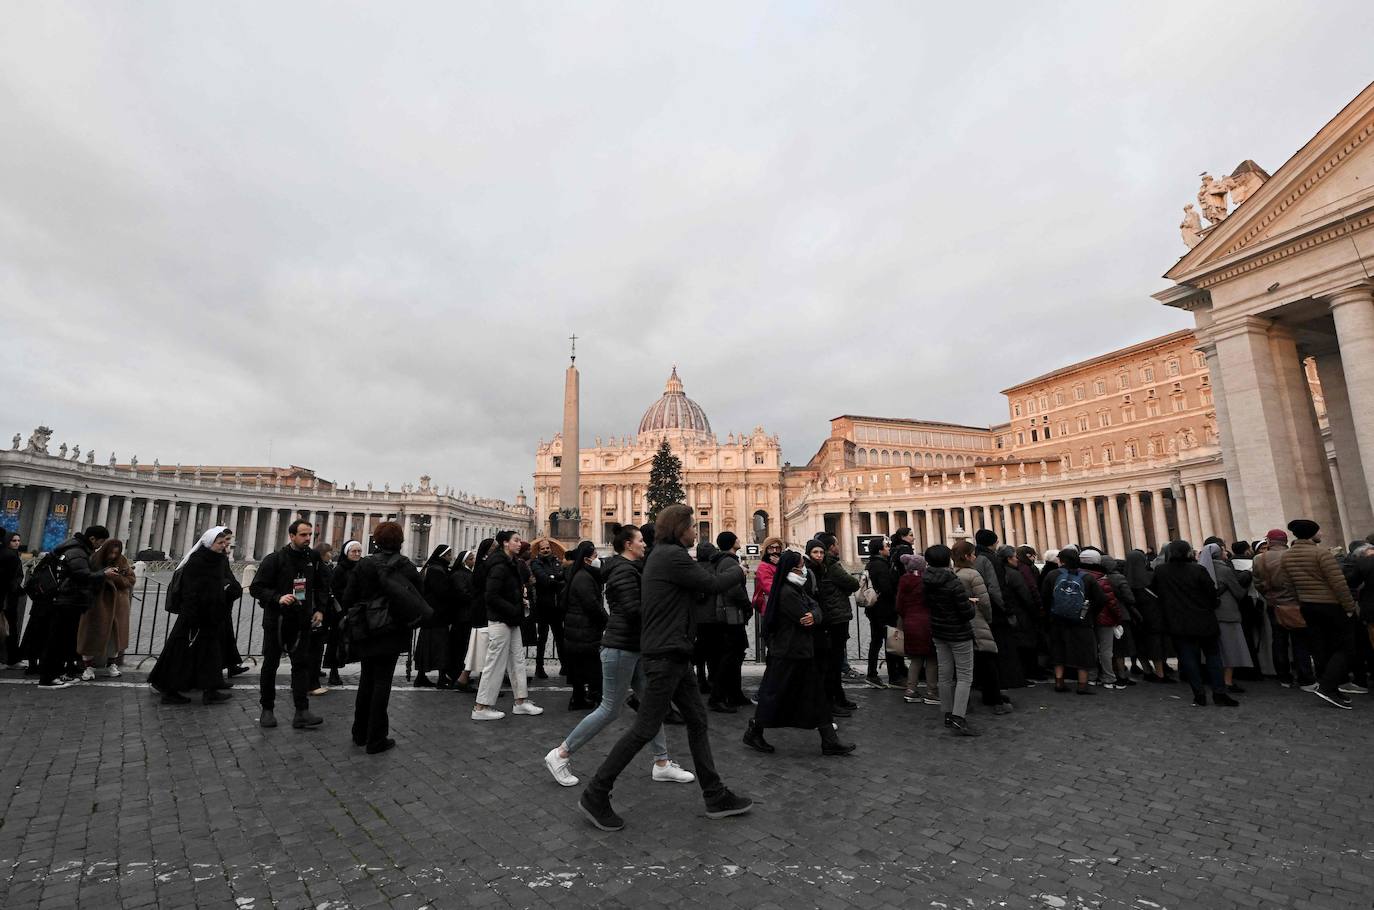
586,617
622,578
1187,594
104,628
911,606
975,586
951,614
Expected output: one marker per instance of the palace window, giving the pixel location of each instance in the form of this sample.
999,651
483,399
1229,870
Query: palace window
1030,406
1059,399
1122,382
1128,413
1106,454
1082,423
1016,409
1035,436
1104,418
1086,457
1132,449
1199,359
1078,393
1152,407
758,457
1174,367
1147,374
1100,387
1044,402
860,457
1179,403
1063,428
1020,438
1206,396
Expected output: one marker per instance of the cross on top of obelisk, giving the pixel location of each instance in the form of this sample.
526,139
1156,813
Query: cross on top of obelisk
574,347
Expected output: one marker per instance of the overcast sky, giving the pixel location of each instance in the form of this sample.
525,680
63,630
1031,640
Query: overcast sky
356,237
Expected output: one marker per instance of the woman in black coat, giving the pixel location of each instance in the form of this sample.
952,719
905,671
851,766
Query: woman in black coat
792,693
386,574
193,655
1188,600
583,623
432,644
477,639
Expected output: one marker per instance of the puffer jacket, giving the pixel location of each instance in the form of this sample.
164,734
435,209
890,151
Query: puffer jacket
1315,575
1111,613
1270,582
705,607
1020,608
951,614
763,583
837,586
884,582
622,578
911,606
586,616
504,598
975,586
79,581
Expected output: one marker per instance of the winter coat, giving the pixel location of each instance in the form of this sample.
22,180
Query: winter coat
436,583
1362,571
80,582
732,605
951,614
1271,583
791,640
672,583
622,580
547,572
464,596
975,586
993,571
104,628
586,616
208,587
277,576
763,584
880,576
504,596
1188,598
705,606
1020,608
1111,612
836,588
365,582
1315,575
1093,593
911,606
1232,588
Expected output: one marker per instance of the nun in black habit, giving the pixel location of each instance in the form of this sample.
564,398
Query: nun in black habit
193,655
792,693
432,648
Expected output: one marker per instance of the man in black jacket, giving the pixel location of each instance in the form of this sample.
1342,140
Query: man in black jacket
547,570
835,587
294,595
671,581
881,615
733,610
75,594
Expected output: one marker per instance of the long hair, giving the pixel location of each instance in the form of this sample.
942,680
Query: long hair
789,561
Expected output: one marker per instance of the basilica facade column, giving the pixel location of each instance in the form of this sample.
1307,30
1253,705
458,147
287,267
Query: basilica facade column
1137,516
1353,312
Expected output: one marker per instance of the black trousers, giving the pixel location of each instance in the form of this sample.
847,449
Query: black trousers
549,622
14,615
584,675
61,644
727,663
301,665
232,656
986,679
1331,638
370,724
668,683
877,643
706,652
1196,655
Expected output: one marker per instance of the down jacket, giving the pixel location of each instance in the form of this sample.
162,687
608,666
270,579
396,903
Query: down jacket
911,606
951,614
975,586
836,588
622,578
1315,575
586,617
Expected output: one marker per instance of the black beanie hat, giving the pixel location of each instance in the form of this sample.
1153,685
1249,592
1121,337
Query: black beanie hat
985,538
726,539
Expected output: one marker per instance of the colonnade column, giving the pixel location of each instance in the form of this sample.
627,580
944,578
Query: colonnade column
169,512
188,531
1195,532
40,519
1051,526
273,527
1117,538
928,523
1094,525
1161,521
1071,520
1137,522
78,520
102,514
1206,526
126,510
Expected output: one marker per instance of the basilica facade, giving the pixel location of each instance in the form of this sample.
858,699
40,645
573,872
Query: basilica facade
732,485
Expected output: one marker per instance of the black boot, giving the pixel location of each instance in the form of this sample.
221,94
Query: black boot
334,679
753,738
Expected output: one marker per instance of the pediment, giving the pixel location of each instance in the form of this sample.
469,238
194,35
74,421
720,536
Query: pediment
1326,181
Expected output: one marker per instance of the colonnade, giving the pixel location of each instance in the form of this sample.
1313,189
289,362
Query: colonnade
1145,519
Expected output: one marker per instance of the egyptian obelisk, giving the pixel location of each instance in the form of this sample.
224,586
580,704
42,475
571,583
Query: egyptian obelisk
571,479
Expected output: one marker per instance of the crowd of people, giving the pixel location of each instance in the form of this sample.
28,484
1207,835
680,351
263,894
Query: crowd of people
661,626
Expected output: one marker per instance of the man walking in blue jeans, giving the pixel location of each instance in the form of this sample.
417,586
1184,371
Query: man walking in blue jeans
671,579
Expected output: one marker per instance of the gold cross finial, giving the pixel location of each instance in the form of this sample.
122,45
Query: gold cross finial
574,347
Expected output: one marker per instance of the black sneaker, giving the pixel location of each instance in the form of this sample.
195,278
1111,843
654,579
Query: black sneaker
1235,689
875,681
753,738
1222,700
959,727
304,720
238,670
835,747
378,748
1334,698
728,804
1199,699
55,684
603,816
949,720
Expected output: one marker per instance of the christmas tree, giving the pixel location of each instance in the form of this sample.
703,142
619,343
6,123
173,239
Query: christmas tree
665,480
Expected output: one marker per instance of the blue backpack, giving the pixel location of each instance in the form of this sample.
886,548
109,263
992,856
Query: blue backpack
1069,601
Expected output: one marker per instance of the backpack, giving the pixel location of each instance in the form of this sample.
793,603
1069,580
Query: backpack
1069,602
46,578
867,595
172,600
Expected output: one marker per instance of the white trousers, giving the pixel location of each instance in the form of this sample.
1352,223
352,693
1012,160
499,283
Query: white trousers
505,657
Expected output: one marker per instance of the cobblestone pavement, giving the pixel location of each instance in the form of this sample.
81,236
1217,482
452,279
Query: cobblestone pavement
1125,800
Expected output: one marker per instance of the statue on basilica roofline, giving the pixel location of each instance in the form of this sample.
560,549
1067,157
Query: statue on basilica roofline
38,441
14,443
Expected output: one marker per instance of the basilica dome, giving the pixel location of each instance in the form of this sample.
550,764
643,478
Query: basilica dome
675,415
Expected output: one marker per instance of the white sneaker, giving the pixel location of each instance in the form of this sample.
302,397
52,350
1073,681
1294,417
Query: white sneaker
322,690
673,773
927,700
88,674
1310,687
62,683
526,707
69,680
1354,689
487,714
559,767
112,671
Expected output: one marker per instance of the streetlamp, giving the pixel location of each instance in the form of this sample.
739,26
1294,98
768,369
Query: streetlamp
420,526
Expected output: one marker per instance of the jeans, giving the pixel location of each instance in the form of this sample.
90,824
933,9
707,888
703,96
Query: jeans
1106,641
1329,636
271,659
931,666
1191,651
618,669
877,642
726,663
370,724
505,657
1300,669
668,682
956,675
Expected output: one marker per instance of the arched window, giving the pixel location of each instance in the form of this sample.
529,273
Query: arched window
930,460
861,456
872,456
887,457
906,458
